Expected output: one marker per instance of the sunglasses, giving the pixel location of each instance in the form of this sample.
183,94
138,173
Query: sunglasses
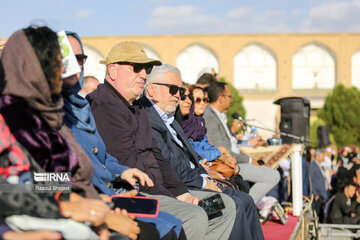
137,67
199,100
190,96
81,59
173,89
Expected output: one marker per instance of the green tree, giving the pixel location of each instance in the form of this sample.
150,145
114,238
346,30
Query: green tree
340,111
237,104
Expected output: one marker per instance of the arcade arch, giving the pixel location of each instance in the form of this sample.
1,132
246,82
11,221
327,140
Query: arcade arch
314,66
195,58
255,68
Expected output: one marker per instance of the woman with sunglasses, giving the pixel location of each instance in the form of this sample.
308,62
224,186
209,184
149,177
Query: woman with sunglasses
191,108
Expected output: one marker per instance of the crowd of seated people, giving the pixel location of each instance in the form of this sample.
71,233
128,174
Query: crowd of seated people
334,175
143,126
167,139
122,138
335,182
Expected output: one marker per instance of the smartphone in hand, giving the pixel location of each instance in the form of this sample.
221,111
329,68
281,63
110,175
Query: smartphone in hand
137,206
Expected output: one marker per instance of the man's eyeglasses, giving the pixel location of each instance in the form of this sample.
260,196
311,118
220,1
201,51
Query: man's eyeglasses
190,96
81,59
173,89
137,67
199,100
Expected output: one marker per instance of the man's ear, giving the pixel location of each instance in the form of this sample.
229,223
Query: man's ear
112,71
220,99
150,88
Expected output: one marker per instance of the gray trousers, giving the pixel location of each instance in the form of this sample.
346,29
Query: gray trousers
195,221
264,179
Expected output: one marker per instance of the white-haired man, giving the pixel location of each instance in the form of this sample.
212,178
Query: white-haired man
162,95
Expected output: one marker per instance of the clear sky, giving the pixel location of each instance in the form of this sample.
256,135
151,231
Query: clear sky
144,17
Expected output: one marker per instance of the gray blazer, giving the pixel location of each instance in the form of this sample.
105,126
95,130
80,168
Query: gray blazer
217,134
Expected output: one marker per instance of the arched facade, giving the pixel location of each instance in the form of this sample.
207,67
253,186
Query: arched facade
255,68
307,65
288,49
92,66
314,67
355,69
193,59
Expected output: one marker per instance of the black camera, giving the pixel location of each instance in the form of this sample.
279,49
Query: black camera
212,205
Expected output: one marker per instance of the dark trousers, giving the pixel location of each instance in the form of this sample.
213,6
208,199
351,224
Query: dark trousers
319,206
247,224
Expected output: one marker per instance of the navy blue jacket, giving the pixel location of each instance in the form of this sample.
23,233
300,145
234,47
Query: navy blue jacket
178,156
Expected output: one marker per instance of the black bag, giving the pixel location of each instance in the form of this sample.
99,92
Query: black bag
241,183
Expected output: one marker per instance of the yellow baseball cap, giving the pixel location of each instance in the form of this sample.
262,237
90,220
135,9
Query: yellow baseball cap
128,51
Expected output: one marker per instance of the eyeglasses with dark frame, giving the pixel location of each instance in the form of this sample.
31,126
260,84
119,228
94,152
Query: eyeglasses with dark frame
173,89
137,67
199,100
190,96
81,59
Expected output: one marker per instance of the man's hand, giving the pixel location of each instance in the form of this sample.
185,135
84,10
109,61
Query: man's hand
226,157
187,197
85,210
133,175
123,224
212,185
357,196
236,126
